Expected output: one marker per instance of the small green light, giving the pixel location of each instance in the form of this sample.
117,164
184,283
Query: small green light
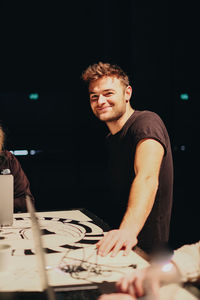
184,97
34,96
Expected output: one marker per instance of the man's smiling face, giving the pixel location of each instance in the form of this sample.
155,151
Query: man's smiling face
107,98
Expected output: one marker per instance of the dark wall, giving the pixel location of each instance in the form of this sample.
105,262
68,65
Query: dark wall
44,49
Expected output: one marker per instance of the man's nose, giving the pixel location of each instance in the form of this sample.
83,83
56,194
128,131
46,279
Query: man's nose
101,100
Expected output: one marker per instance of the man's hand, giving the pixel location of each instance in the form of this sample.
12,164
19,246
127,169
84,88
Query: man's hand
115,240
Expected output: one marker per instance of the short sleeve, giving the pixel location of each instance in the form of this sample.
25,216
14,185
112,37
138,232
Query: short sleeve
149,125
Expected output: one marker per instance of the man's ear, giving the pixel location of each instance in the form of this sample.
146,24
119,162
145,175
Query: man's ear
128,93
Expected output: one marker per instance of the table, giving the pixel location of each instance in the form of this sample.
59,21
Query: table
69,239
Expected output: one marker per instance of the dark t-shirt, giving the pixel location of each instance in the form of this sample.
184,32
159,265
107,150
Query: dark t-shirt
122,147
21,183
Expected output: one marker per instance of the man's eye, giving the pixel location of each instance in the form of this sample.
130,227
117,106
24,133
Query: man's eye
93,98
108,94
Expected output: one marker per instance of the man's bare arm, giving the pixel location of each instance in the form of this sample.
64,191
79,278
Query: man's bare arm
148,159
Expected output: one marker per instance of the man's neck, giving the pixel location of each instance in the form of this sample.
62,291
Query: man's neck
117,125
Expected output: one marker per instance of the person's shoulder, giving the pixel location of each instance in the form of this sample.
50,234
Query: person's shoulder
9,155
146,117
143,114
147,122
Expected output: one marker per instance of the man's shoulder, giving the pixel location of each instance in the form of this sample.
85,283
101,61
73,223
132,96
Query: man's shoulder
143,114
145,118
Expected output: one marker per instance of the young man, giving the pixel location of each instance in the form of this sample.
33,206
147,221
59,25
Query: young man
140,163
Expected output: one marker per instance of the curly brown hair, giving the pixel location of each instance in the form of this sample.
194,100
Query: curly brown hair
100,69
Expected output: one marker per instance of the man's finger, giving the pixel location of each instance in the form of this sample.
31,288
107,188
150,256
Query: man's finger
128,247
117,247
101,240
107,245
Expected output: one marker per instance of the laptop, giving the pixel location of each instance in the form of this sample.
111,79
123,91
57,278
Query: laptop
6,200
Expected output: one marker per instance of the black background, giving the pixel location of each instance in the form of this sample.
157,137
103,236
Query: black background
45,46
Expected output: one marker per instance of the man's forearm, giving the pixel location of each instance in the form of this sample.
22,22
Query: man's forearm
141,200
